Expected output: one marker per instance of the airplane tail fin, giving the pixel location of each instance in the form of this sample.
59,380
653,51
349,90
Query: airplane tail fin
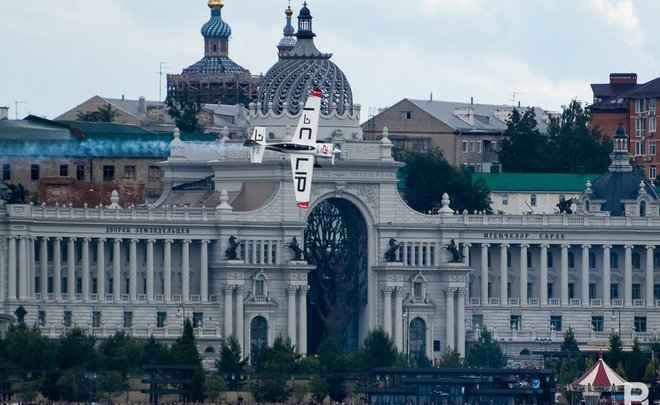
258,142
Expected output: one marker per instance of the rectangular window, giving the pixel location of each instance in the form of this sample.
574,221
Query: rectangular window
555,323
128,319
34,172
67,319
65,285
640,105
259,288
592,291
653,172
550,290
417,289
161,318
129,172
571,291
652,105
639,148
154,173
80,172
473,146
651,124
640,324
197,319
636,291
108,173
6,172
597,323
477,321
515,323
505,199
614,291
79,285
640,127
96,319
465,146
532,200
64,170
656,291
479,147
41,318
406,115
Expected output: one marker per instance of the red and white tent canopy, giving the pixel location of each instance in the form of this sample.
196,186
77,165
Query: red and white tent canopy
599,376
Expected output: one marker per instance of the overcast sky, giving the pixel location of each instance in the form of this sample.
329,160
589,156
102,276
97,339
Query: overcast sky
58,53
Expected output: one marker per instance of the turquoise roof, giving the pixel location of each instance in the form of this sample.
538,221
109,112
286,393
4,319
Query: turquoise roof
216,27
548,182
214,64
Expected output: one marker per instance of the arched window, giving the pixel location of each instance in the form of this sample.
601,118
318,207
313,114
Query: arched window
525,352
614,260
209,349
260,285
258,337
417,338
571,260
642,208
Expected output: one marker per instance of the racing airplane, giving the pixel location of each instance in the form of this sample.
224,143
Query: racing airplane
302,148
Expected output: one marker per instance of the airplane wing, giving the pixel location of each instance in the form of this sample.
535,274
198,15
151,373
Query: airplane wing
302,167
308,125
258,139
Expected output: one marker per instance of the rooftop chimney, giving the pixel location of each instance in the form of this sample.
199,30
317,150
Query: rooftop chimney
141,103
623,78
4,113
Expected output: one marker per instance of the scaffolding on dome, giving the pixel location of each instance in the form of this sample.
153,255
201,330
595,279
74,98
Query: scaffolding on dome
225,88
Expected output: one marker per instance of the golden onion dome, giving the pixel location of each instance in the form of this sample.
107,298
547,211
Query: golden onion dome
216,4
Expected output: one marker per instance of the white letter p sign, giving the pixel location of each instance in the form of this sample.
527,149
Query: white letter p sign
635,393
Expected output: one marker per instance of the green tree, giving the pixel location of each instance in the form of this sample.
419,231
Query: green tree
377,350
111,384
318,388
633,360
29,349
155,353
71,385
231,360
614,355
214,387
184,352
275,365
76,349
523,147
104,113
569,344
185,110
121,352
450,358
486,352
575,145
427,176
568,370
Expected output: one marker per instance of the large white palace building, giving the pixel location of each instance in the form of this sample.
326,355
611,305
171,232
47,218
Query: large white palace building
213,248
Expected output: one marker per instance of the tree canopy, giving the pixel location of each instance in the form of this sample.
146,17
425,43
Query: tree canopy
486,352
185,112
104,113
569,146
427,176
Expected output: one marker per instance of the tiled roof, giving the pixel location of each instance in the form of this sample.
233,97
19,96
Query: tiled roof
487,117
214,65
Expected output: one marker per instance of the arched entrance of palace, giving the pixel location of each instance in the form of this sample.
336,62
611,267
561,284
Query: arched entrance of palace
336,242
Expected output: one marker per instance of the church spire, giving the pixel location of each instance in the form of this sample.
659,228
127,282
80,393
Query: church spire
288,41
620,156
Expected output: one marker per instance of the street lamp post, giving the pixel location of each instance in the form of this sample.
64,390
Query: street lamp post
618,310
543,344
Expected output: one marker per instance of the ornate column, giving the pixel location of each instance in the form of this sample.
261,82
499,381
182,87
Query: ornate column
43,261
291,318
11,269
240,315
504,274
387,310
607,300
22,268
466,253
132,269
649,282
627,276
543,287
564,275
460,319
116,270
85,270
57,269
302,328
71,267
100,268
150,270
167,270
204,272
584,278
449,317
3,269
523,274
185,270
484,273
229,295
398,317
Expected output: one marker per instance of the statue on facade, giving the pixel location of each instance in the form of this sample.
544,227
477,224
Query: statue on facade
565,205
20,314
234,243
390,253
295,247
455,251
